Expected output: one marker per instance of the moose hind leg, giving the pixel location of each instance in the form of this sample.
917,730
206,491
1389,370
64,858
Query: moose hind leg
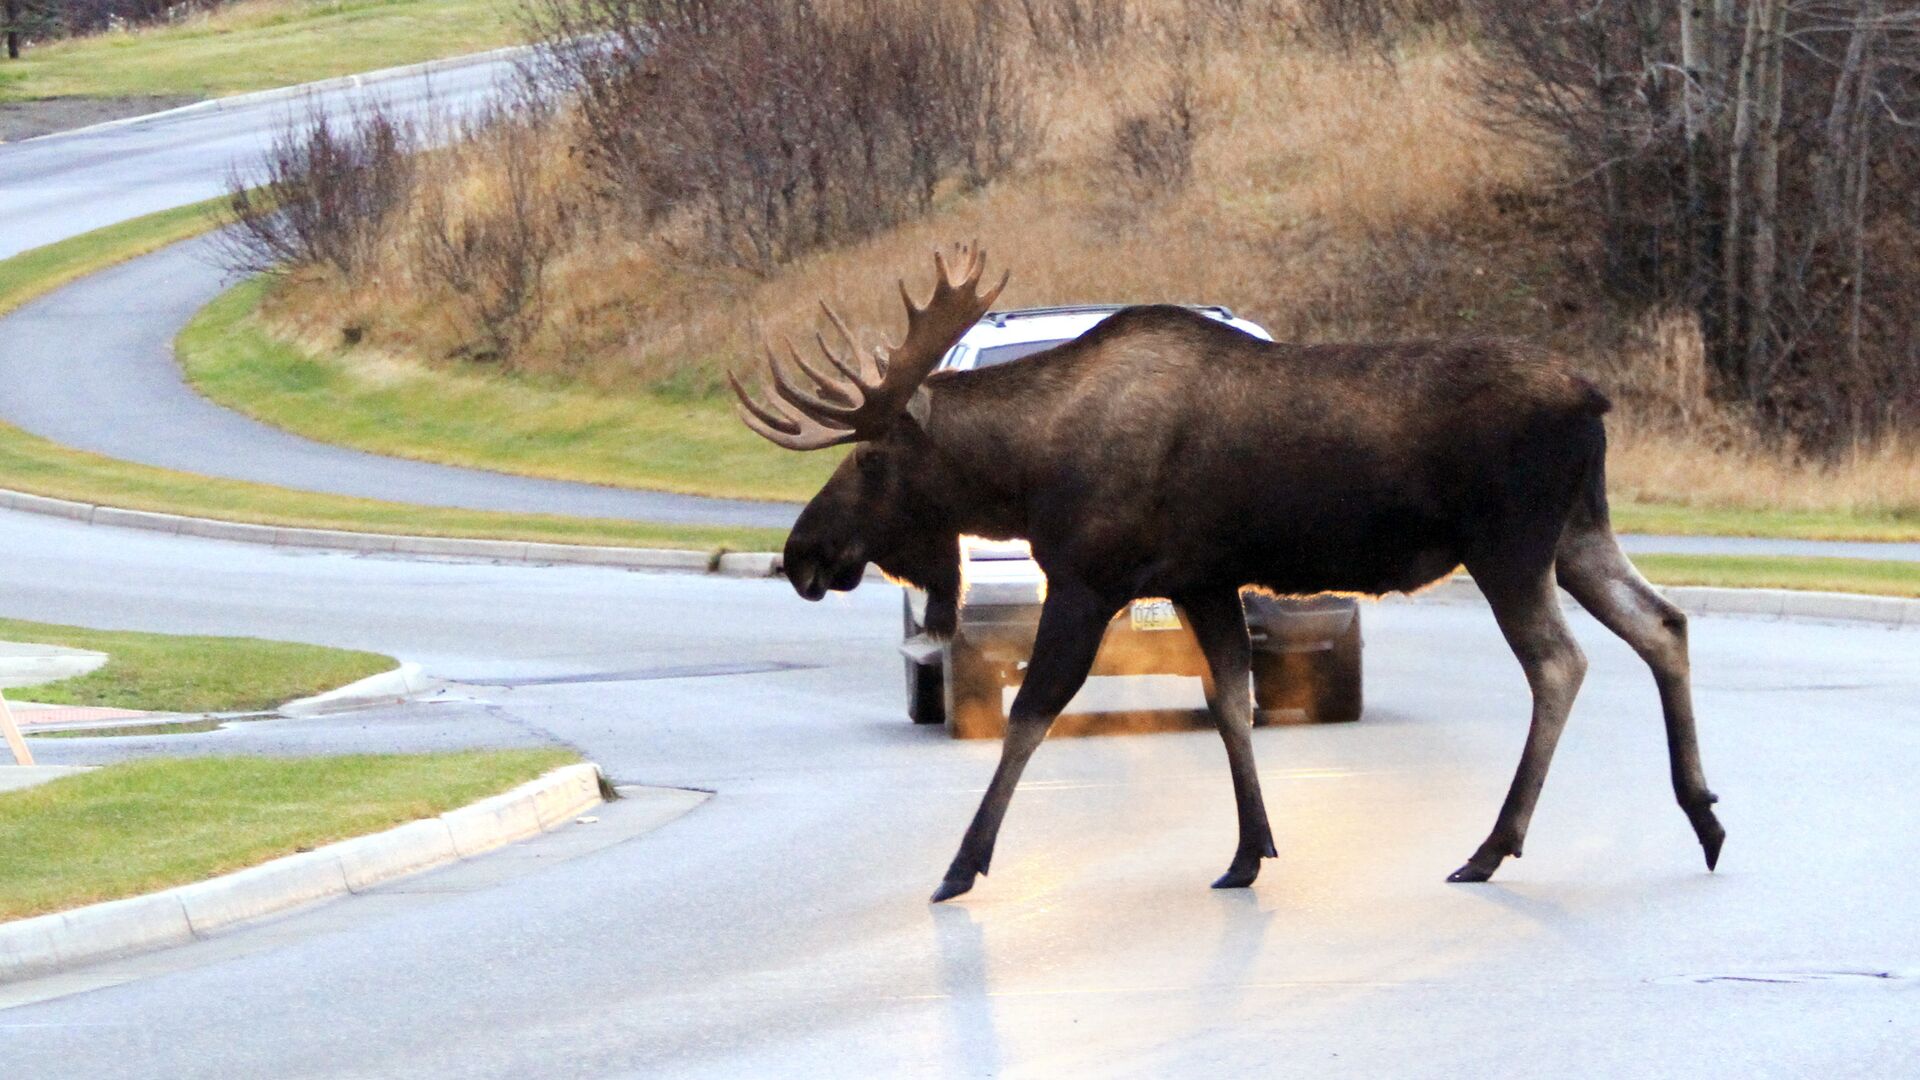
1593,568
1072,622
1528,611
1220,625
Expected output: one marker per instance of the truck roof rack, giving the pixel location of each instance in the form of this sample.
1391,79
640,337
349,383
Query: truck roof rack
1001,318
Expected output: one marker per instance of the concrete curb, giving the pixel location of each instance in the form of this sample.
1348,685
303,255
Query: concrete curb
49,943
389,686
1889,611
1696,599
300,90
731,564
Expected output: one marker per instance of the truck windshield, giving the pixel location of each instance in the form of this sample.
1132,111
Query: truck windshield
1000,354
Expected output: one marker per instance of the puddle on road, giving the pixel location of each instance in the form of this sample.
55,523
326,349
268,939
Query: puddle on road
195,726
185,727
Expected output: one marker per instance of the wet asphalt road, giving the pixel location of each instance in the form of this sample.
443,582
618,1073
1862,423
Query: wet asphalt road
781,929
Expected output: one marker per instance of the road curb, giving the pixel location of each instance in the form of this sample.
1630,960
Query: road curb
299,90
48,943
399,684
730,564
1889,611
1695,599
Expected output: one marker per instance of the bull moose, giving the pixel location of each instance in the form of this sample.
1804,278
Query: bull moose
1164,454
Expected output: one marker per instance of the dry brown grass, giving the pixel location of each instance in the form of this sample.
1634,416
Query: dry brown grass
1671,443
1331,196
1648,464
1311,172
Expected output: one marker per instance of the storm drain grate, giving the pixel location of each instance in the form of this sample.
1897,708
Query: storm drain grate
680,671
1787,978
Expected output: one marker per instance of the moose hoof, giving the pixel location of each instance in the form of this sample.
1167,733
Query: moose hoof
951,888
1471,874
1711,837
1237,878
1707,827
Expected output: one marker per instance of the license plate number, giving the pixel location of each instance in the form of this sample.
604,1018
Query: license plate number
1155,615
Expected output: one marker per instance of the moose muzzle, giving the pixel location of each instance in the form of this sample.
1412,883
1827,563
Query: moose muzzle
814,572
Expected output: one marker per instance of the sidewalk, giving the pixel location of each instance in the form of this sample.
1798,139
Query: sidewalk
29,664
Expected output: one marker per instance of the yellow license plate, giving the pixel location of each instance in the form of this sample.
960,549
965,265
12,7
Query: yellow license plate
1155,615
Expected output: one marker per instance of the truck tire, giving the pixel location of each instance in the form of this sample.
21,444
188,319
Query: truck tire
926,693
1324,684
926,697
972,685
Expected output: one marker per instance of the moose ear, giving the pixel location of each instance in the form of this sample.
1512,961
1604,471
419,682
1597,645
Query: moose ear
920,406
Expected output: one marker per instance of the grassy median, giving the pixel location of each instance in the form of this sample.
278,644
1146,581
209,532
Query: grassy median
29,463
527,425
136,827
257,45
1780,572
191,673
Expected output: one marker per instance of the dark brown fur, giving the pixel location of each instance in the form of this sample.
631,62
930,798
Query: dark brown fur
1166,454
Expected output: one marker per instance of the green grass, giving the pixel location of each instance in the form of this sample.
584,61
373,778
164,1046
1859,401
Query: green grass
32,464
44,269
1780,572
29,463
133,828
259,44
1797,524
463,417
180,673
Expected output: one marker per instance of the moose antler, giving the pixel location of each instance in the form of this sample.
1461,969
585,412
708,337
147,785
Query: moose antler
864,392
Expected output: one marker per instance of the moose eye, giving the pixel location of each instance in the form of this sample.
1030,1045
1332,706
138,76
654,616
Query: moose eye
872,466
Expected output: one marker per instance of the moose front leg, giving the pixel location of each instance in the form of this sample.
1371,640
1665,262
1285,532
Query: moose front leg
1220,625
1072,622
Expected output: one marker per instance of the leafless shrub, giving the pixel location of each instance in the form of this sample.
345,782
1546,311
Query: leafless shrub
322,193
1360,23
784,126
1154,146
491,253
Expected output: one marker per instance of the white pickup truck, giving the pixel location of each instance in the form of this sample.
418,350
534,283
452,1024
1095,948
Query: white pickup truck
1306,653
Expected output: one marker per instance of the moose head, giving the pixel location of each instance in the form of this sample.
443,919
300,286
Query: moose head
890,502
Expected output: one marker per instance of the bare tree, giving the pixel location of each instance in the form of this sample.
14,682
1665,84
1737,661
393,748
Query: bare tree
1749,158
